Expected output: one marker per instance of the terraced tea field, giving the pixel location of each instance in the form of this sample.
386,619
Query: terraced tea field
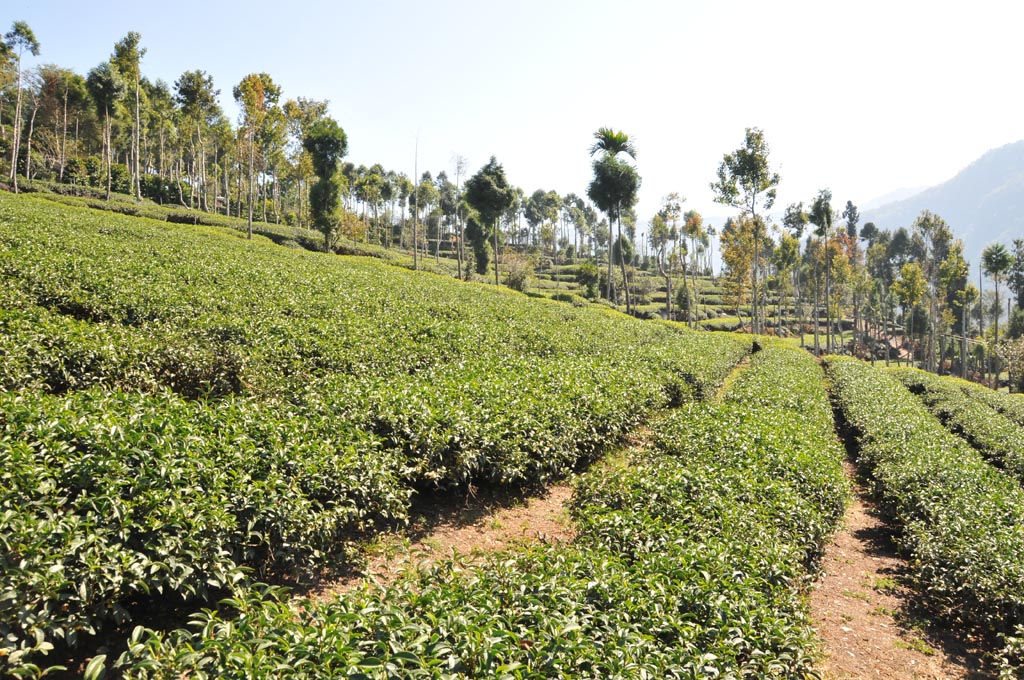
187,417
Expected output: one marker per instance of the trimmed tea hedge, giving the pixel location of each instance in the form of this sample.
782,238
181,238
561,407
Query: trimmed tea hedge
180,403
688,562
997,437
961,520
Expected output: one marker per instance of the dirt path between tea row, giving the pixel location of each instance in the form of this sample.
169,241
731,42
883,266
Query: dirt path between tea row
472,526
864,614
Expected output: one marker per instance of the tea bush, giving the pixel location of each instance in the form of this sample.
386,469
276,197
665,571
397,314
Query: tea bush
179,404
997,437
961,520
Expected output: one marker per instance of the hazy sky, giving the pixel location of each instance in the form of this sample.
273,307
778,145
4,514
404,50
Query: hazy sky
860,97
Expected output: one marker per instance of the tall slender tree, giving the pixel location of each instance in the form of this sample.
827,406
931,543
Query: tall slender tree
489,194
106,87
326,144
197,97
822,215
127,59
614,188
256,94
746,182
18,40
996,262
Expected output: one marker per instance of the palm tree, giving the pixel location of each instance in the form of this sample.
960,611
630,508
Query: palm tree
610,143
996,262
614,188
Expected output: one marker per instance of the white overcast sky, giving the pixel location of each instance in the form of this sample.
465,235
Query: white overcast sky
860,97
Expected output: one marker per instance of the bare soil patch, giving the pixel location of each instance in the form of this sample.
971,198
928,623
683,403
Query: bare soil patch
470,526
866,615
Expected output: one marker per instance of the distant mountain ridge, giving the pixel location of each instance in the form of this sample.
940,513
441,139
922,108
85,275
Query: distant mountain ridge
891,197
982,204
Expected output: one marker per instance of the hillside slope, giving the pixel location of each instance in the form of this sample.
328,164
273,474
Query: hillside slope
983,203
177,403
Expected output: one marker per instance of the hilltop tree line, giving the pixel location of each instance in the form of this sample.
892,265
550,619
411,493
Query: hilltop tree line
117,131
901,294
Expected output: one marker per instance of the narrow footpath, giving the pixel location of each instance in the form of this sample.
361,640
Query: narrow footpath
864,612
471,527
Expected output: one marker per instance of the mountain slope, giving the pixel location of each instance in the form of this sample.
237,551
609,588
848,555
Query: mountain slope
983,203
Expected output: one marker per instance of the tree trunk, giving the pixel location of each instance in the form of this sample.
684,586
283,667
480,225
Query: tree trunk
31,128
16,132
828,298
252,151
817,309
137,141
106,121
64,138
496,223
622,263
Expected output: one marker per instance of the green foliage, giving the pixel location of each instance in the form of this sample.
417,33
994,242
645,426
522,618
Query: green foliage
326,144
479,237
1010,405
614,187
687,563
997,437
589,277
488,192
744,179
180,402
960,518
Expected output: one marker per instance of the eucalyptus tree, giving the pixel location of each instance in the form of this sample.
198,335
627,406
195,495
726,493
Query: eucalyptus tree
299,115
448,204
74,99
568,203
489,195
934,241
34,88
693,229
664,233
880,266
18,40
966,297
222,137
403,190
795,220
460,166
614,188
197,97
541,211
425,197
326,144
822,215
127,58
160,124
953,282
852,217
106,87
785,258
256,95
746,182
739,235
